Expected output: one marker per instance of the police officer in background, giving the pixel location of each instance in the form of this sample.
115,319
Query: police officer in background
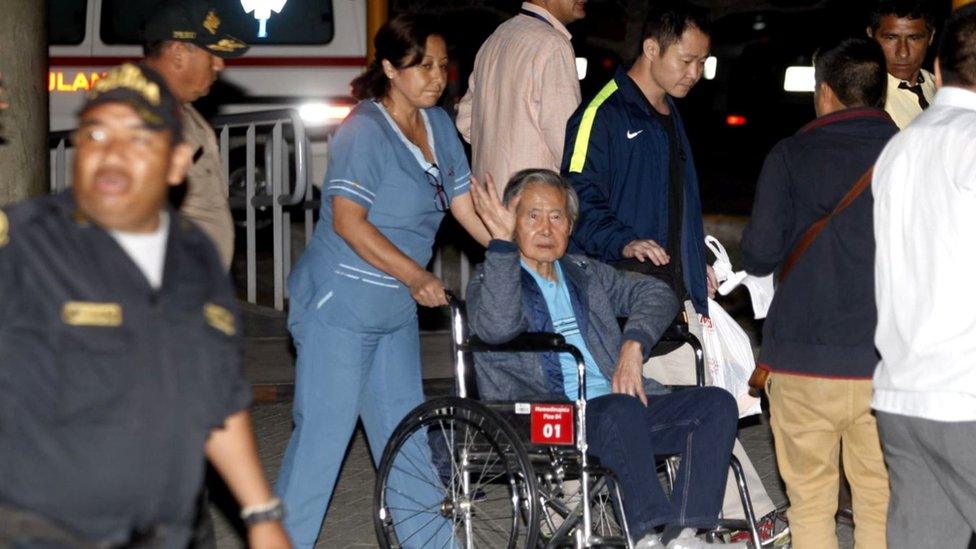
120,361
184,44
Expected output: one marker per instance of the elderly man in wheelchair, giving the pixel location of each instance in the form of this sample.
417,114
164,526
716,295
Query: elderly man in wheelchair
527,283
562,400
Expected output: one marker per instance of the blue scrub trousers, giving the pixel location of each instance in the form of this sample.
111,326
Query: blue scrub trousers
699,424
343,375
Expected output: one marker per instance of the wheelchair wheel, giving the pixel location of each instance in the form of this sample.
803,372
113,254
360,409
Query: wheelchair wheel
482,493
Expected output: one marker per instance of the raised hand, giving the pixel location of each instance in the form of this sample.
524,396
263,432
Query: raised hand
498,219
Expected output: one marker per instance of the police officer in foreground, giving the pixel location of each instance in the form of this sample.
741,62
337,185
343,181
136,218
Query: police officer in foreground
120,361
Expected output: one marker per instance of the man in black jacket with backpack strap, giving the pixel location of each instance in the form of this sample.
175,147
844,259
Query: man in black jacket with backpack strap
818,338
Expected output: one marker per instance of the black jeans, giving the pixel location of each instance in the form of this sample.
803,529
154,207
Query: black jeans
698,424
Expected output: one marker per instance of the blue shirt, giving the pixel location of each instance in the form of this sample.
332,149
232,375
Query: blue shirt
564,322
373,164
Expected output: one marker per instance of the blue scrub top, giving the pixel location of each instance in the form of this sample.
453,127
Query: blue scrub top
373,164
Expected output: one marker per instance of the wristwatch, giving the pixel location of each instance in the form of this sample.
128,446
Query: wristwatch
271,511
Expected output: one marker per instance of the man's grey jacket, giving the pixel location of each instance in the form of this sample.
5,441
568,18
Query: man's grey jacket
503,300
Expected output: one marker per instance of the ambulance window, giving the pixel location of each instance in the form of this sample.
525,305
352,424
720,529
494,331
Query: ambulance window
67,22
300,22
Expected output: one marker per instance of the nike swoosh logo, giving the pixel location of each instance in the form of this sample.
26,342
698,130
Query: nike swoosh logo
631,135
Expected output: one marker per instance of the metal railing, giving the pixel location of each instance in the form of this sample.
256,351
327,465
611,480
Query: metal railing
281,138
283,186
59,143
273,150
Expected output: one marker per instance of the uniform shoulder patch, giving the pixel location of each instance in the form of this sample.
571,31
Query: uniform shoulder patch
4,229
220,318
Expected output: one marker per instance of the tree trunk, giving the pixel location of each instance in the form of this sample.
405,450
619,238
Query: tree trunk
23,126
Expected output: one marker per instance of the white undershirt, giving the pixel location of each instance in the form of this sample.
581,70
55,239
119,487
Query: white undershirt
147,250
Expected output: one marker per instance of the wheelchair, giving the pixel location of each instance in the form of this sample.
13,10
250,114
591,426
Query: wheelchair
518,473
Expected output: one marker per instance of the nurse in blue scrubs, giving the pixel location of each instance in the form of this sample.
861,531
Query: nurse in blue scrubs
396,166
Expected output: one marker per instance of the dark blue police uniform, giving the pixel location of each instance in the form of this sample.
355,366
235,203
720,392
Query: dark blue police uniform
109,388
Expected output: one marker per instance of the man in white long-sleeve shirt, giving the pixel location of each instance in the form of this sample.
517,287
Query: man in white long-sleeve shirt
523,89
925,384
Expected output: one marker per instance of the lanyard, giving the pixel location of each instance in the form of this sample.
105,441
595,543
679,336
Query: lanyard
536,15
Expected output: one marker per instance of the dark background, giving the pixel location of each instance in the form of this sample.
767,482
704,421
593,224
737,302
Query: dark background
754,42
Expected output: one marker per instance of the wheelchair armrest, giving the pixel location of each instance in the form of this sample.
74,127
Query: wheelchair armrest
677,331
526,342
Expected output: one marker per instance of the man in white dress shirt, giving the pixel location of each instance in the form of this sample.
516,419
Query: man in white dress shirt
925,385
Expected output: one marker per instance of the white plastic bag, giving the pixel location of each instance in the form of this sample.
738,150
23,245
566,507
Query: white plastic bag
728,357
760,288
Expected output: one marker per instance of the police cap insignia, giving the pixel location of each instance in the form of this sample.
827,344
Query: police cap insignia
144,90
127,76
227,45
212,22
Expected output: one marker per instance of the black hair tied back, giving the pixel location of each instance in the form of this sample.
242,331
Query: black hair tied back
403,42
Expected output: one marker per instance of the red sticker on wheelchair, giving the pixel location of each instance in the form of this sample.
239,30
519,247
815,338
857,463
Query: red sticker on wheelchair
552,424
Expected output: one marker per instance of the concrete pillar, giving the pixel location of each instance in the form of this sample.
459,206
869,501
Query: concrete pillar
23,126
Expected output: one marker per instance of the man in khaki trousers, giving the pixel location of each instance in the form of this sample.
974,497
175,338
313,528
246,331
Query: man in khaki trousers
818,338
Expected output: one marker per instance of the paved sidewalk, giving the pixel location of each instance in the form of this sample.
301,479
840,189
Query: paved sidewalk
269,366
349,522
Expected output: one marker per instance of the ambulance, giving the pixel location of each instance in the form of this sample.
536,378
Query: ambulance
303,54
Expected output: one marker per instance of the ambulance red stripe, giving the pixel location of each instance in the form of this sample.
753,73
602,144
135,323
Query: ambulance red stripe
246,61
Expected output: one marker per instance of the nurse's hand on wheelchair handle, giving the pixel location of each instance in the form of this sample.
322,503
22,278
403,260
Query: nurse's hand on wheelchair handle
427,290
628,378
498,219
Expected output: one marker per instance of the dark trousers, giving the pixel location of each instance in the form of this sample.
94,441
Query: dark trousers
698,424
23,529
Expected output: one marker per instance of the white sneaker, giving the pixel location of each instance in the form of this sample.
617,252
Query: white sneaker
688,540
650,541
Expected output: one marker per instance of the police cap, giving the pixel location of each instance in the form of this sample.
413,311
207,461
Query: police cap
144,90
194,21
